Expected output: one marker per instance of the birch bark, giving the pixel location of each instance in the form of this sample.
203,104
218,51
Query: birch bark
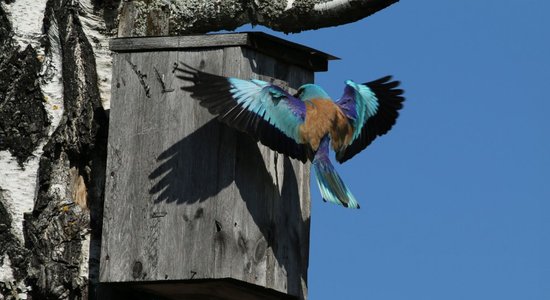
55,73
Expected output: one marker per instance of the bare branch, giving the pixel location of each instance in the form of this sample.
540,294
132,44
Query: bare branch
201,16
324,14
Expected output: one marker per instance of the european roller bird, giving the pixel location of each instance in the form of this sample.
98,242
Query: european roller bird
303,126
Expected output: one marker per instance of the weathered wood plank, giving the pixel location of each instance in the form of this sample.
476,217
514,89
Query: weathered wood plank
189,198
198,153
284,51
178,42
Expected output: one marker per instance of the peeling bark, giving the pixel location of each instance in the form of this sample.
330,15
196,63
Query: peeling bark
23,124
23,119
58,255
54,89
67,212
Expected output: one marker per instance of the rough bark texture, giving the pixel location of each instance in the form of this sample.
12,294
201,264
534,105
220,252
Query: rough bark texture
62,234
71,173
23,119
315,14
23,123
54,88
13,251
201,16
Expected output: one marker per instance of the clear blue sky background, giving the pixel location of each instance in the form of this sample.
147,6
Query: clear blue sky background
455,201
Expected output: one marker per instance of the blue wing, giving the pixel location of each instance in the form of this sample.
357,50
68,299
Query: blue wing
372,109
265,111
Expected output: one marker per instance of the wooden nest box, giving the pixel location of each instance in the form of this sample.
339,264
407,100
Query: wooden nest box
193,208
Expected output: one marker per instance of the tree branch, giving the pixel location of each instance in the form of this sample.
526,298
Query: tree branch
201,16
324,14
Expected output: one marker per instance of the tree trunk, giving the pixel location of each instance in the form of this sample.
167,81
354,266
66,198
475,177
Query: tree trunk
55,78
58,181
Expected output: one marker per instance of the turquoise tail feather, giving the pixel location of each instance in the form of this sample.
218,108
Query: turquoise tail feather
330,184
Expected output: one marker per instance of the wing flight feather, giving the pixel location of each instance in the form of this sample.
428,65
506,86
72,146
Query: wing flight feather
263,110
372,108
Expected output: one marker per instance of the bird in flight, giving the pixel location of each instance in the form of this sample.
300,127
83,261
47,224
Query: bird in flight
303,126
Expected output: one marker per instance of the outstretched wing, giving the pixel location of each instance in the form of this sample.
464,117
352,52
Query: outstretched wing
372,108
265,111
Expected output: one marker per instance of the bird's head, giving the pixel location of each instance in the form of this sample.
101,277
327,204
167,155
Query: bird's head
311,91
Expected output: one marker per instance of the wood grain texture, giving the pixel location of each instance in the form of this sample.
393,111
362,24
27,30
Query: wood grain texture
190,198
283,50
178,42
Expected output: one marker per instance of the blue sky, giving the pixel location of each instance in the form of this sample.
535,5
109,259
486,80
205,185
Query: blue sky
455,201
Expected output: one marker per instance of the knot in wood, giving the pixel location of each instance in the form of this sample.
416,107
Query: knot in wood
137,269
